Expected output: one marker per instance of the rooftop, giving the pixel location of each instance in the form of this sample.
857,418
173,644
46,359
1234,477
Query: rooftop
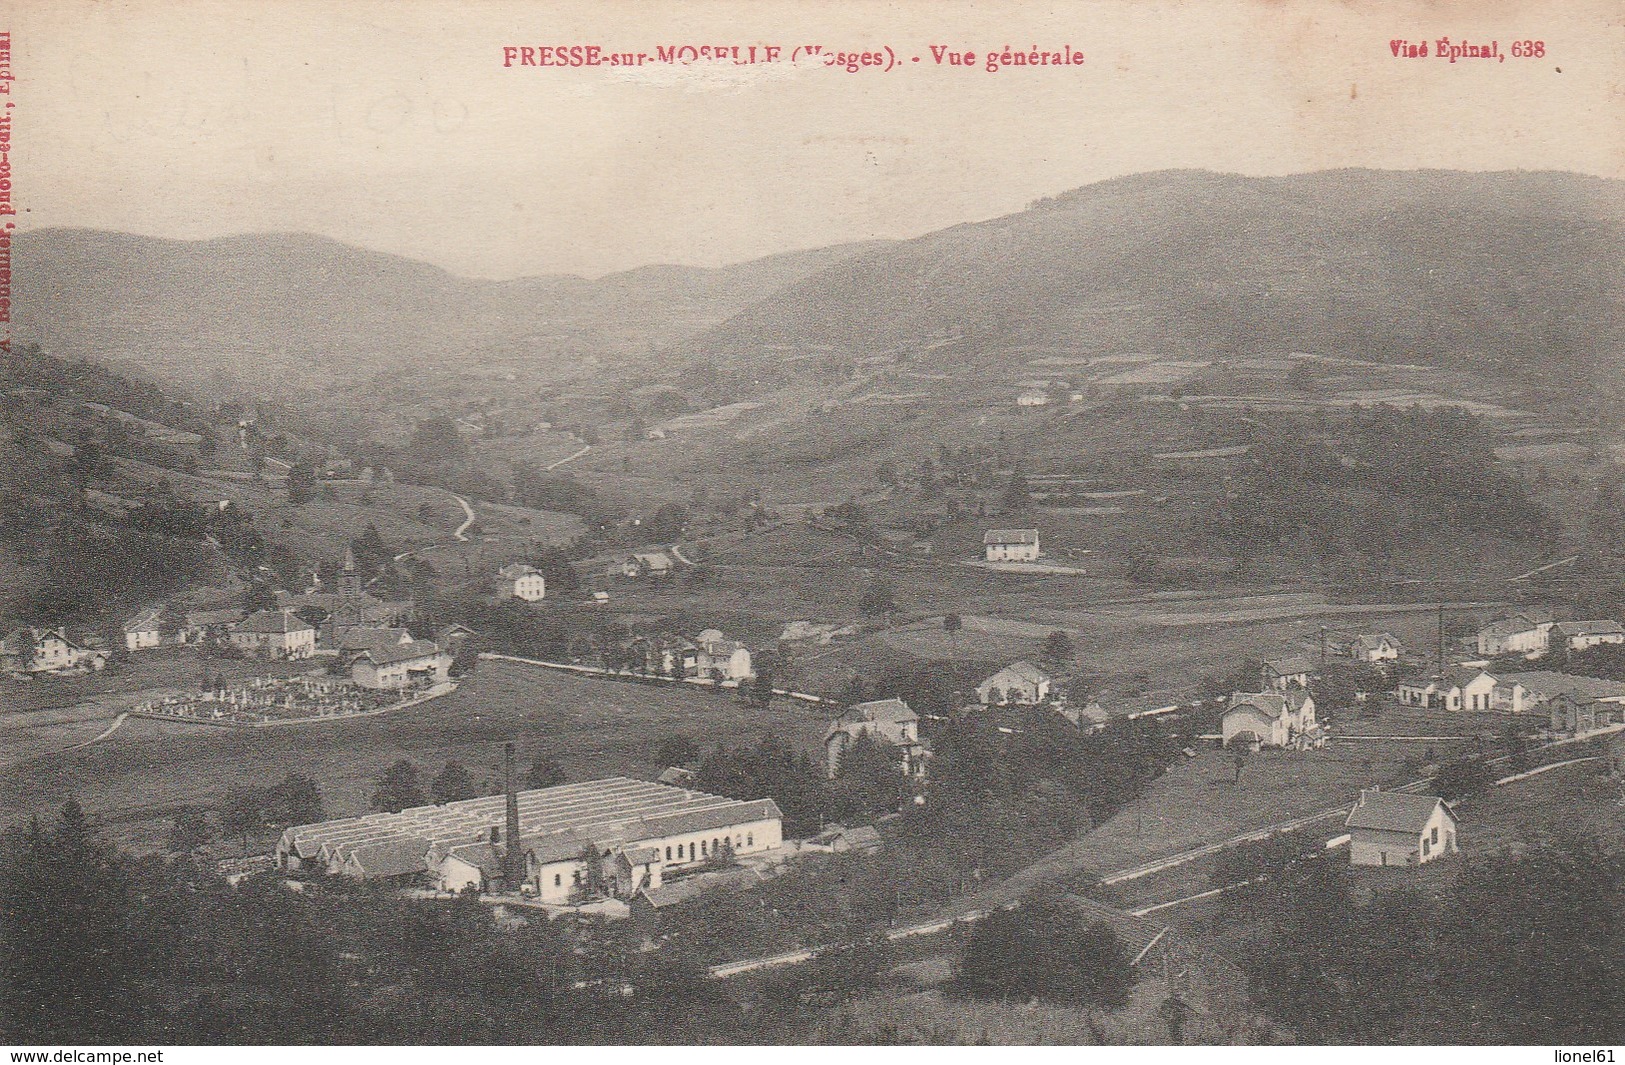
1394,811
275,621
1010,536
613,809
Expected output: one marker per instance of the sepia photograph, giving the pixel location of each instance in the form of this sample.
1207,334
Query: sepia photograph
807,523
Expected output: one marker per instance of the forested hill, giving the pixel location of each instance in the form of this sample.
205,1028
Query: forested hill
301,309
1515,272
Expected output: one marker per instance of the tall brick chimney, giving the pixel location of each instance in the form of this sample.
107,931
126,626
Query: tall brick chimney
513,857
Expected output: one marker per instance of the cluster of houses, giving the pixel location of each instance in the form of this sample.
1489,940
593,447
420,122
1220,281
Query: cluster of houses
1534,633
711,655
1280,714
1573,703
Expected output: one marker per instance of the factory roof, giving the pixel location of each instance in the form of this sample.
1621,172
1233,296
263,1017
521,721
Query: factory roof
613,810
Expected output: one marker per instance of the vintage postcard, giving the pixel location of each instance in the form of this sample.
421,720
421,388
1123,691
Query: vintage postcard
595,522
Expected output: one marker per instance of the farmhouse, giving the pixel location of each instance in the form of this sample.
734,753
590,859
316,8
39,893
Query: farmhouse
1020,683
890,720
1286,673
1011,545
1579,635
1517,693
275,634
721,659
1518,634
1573,714
1459,688
621,834
519,581
47,651
647,564
414,663
141,631
1374,648
204,625
1272,719
1397,828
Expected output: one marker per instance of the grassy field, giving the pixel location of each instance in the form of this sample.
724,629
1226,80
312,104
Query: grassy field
594,728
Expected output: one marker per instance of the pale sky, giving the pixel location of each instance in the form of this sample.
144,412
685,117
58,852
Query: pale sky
393,125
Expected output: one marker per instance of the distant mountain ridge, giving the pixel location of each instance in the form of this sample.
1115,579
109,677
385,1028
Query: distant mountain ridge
1515,272
310,310
1497,270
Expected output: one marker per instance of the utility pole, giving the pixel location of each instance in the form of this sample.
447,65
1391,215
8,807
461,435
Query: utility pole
1441,640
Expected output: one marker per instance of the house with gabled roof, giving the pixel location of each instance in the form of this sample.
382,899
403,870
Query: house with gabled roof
1579,635
1018,684
720,658
142,631
275,634
1374,647
1517,693
1271,719
1398,828
1286,672
889,720
1457,688
647,564
519,581
1524,634
31,650
394,664
1010,545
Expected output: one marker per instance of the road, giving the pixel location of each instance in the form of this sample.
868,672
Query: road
1017,885
469,520
108,731
570,458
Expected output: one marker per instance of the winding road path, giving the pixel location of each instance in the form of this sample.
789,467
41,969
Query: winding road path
570,458
108,731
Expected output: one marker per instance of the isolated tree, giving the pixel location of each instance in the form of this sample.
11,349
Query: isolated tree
951,624
297,801
1057,649
1046,950
301,483
877,599
677,750
869,780
452,784
545,772
188,830
397,788
243,813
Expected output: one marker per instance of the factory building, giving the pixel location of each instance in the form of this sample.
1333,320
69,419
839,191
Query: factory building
616,836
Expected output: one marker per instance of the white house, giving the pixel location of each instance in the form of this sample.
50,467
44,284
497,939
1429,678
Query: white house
1272,719
721,659
1010,545
1397,828
1020,683
1375,648
1579,635
1286,673
1520,693
1459,688
141,631
47,651
519,581
891,720
1518,634
647,564
275,634
400,665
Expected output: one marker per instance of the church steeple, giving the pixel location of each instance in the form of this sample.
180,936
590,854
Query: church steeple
349,583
